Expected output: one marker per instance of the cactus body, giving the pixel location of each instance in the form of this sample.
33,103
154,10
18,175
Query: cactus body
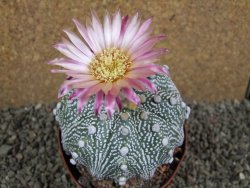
134,142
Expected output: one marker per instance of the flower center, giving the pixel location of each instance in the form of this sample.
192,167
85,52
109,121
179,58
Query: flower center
110,65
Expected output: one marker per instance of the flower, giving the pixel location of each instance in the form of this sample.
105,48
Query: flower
115,58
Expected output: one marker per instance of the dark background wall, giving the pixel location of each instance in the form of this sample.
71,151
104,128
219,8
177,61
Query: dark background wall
208,41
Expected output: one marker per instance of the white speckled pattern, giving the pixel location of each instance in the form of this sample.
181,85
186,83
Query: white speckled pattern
141,148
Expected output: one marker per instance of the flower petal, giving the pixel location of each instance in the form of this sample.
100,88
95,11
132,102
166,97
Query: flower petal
107,30
144,27
131,95
130,31
124,25
98,30
116,28
146,46
72,52
98,102
79,44
118,102
110,104
153,54
148,83
85,84
83,31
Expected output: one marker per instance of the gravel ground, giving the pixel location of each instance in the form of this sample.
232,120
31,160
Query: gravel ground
218,154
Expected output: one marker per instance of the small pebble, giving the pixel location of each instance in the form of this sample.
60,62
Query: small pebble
242,176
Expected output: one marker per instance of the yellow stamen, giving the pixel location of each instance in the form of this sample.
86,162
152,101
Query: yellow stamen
110,65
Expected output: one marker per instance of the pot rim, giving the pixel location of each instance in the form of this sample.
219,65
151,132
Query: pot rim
67,165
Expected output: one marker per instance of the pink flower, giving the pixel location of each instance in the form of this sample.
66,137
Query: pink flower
114,58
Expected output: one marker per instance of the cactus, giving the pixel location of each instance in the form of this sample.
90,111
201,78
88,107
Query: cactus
134,141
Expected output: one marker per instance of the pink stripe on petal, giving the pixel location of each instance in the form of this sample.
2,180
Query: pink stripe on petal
124,25
98,30
94,39
79,44
98,102
152,54
63,90
82,101
138,42
72,52
110,104
85,84
130,31
116,28
83,31
107,87
146,46
107,30
67,71
144,27
148,83
134,83
131,95
115,89
137,73
119,102
82,76
73,67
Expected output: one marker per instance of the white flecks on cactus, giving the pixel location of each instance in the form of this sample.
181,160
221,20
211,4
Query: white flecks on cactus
156,128
157,98
124,131
124,151
142,98
74,155
173,101
103,117
72,161
81,143
183,105
188,110
132,142
124,167
144,115
165,141
124,116
54,112
58,106
91,129
122,181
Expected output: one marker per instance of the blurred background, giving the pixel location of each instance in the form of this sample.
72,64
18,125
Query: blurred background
208,42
